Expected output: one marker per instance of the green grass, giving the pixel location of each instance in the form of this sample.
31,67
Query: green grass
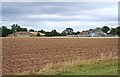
93,67
104,67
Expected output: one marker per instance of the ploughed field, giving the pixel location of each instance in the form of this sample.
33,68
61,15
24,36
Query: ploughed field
33,54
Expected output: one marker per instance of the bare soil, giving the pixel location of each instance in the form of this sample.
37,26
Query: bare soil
33,54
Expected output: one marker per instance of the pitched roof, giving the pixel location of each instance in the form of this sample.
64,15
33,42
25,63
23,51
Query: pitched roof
35,33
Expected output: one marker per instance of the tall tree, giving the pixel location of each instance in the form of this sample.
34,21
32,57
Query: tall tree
31,30
52,33
15,28
5,31
67,31
42,31
24,29
55,33
0,31
105,29
118,30
76,33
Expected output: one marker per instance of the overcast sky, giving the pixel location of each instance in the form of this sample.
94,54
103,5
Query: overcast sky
60,15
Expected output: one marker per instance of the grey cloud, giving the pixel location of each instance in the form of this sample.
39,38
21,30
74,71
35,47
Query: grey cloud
21,11
49,7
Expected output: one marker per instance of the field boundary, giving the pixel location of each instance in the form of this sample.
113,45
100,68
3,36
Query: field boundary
60,37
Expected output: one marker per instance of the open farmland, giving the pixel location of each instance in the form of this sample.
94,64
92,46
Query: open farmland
34,54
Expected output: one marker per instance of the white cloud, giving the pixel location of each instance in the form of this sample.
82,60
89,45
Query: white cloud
60,16
76,25
79,16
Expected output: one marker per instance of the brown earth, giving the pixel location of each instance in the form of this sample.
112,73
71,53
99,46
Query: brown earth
33,54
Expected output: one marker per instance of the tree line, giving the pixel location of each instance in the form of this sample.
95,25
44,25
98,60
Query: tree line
4,31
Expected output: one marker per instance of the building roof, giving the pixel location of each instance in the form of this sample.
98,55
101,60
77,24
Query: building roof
35,33
25,33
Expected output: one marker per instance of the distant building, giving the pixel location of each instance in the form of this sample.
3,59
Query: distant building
93,33
84,34
35,33
25,34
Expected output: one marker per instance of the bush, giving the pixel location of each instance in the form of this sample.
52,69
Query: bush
38,34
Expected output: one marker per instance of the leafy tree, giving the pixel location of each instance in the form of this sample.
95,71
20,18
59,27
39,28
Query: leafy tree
0,31
24,29
5,31
113,31
55,33
42,31
48,34
31,30
52,33
38,34
15,28
105,29
68,31
118,30
76,33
